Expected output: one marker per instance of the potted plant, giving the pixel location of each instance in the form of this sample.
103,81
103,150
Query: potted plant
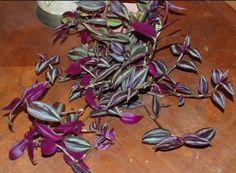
114,68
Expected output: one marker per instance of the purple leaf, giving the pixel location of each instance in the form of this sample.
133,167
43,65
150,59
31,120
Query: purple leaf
89,97
156,106
183,89
84,37
117,98
85,80
17,149
195,141
43,111
30,151
186,43
84,60
144,29
206,133
186,65
117,48
70,127
130,118
181,101
193,53
160,89
47,132
218,98
152,69
74,69
216,76
176,49
169,143
105,141
35,91
203,85
14,103
120,9
55,59
104,74
160,67
138,78
174,7
52,74
228,87
70,14
132,93
48,147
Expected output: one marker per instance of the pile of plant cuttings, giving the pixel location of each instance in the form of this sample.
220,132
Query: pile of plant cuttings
113,69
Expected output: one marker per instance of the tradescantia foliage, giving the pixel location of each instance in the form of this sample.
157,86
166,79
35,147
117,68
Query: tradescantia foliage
113,68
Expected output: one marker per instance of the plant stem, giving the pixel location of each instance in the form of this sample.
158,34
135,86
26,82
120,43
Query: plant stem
90,151
64,151
174,66
87,70
153,118
192,96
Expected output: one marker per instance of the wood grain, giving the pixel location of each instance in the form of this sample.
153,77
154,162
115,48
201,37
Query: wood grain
211,26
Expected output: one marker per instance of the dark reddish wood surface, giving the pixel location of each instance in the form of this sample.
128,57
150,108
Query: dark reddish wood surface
212,27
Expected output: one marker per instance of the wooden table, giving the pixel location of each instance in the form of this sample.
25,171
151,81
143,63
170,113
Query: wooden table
212,27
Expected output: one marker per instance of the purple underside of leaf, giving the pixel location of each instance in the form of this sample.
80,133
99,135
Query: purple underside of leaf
74,69
152,69
70,127
84,60
13,104
169,143
70,14
84,37
86,79
30,150
48,147
47,132
130,118
35,91
144,29
17,149
89,97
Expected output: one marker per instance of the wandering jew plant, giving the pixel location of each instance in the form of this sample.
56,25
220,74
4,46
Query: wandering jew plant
113,69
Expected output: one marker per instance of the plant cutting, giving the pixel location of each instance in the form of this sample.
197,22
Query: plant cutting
113,69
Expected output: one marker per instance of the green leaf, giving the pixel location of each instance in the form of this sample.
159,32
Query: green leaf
93,30
98,21
138,49
143,6
74,94
77,53
91,6
77,144
114,22
43,111
121,75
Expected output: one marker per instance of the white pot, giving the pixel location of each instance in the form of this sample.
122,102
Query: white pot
49,12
